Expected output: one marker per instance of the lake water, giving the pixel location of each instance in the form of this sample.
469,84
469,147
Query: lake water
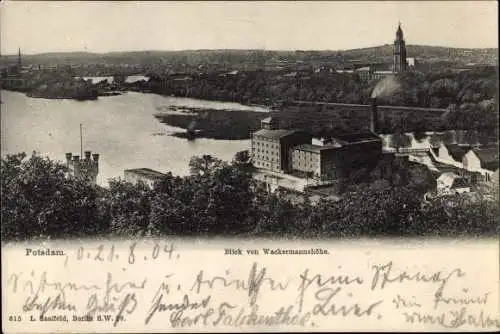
121,129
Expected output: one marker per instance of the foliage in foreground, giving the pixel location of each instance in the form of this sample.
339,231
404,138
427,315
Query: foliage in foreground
221,199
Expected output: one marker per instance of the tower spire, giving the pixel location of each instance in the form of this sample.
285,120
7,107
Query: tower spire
399,32
399,51
81,140
19,58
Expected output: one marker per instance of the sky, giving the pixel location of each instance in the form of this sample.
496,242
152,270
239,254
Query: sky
38,27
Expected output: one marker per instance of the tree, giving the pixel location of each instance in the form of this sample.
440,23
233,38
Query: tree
420,179
39,200
242,159
204,164
129,207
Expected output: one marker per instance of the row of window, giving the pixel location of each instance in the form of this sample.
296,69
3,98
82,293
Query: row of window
304,166
267,145
302,153
262,164
267,152
263,157
301,157
256,138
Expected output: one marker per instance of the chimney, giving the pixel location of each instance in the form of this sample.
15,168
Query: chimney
87,155
95,156
68,157
374,115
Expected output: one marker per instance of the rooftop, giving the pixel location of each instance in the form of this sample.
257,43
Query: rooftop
353,138
340,141
310,148
488,157
268,120
274,133
453,180
457,151
146,172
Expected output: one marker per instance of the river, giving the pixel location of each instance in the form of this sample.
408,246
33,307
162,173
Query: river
120,128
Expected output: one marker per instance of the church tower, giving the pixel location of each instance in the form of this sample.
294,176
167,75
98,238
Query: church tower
19,63
399,50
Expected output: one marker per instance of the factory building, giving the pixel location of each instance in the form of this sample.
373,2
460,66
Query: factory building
337,157
271,146
292,151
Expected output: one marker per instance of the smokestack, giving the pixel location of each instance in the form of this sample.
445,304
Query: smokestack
374,115
87,155
95,156
68,157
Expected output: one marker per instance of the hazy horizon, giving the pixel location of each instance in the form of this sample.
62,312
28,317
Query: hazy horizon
104,27
197,50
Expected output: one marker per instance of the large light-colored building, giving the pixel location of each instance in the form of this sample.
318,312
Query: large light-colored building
145,175
450,183
482,160
271,146
368,73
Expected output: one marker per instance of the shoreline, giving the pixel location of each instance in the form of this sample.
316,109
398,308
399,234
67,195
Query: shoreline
220,123
146,91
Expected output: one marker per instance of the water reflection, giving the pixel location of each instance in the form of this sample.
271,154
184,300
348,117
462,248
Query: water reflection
121,128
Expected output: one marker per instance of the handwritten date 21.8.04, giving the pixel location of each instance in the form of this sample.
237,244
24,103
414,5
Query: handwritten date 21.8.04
111,253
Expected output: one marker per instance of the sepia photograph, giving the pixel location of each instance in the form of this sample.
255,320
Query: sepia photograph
322,125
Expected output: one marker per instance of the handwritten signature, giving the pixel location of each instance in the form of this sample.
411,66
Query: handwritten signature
453,319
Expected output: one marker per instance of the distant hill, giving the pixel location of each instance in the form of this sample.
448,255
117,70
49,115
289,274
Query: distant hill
427,53
378,54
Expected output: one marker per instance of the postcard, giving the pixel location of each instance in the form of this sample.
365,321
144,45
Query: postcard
221,166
